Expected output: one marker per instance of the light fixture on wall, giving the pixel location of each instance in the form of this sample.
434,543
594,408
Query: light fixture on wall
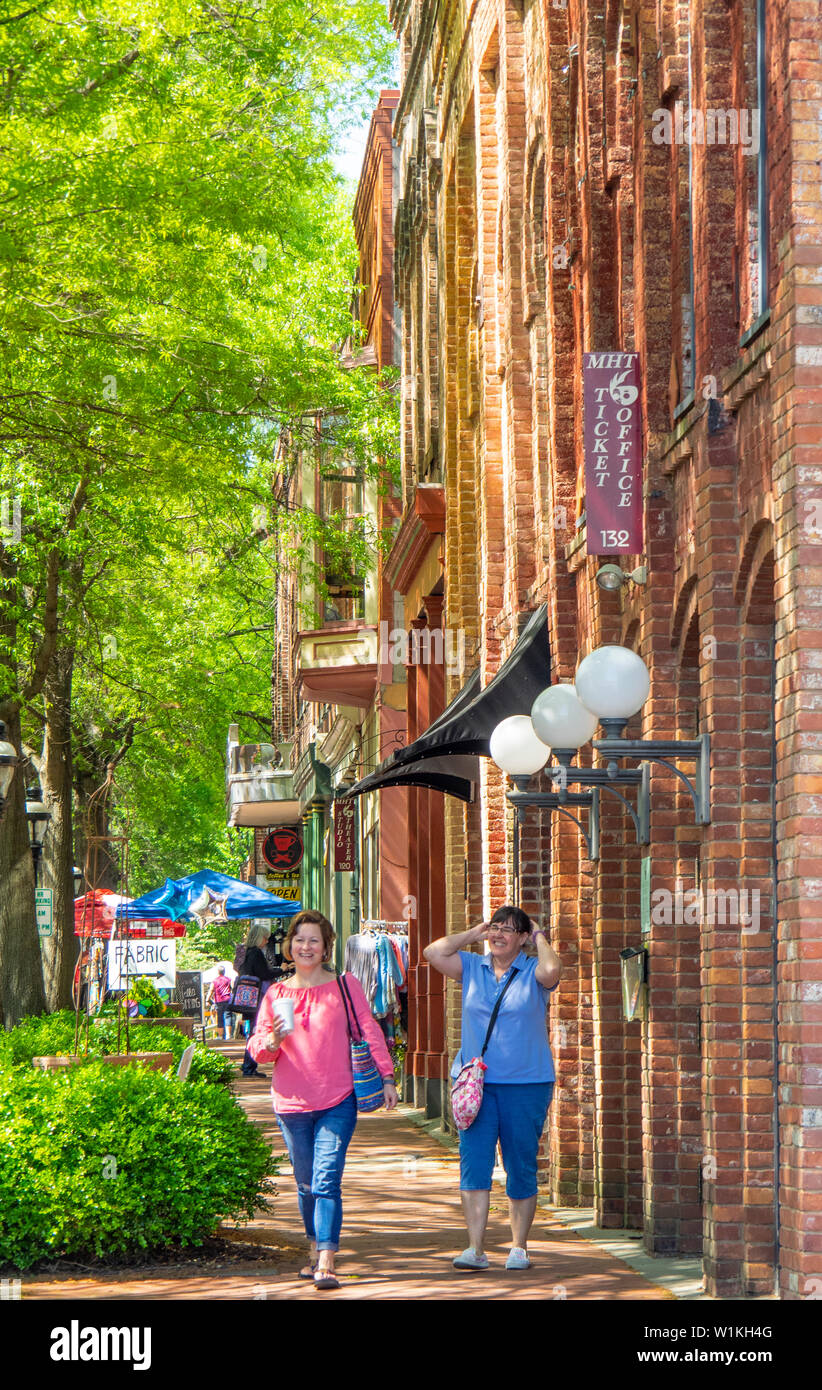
612,684
612,577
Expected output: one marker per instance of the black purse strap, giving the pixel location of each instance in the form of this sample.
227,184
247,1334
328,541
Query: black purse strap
346,998
493,1017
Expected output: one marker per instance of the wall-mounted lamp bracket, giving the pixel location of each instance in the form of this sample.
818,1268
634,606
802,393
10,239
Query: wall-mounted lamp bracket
666,752
561,801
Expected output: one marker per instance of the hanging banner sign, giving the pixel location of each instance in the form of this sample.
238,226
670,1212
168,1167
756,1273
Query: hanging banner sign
344,843
613,453
157,960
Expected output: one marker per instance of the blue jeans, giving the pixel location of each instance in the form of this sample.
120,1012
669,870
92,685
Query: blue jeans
317,1142
515,1115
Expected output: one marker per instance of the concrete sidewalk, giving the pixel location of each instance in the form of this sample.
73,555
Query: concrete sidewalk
401,1228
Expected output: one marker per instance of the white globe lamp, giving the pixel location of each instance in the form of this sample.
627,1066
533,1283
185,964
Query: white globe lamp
560,719
613,683
516,749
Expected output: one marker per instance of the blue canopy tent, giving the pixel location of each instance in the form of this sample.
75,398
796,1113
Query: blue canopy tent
207,894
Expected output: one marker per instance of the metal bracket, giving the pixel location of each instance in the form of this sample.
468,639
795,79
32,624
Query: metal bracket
664,751
640,817
561,801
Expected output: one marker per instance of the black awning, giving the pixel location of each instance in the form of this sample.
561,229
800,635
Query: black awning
464,729
455,775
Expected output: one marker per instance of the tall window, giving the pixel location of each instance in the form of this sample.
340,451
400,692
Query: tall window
343,535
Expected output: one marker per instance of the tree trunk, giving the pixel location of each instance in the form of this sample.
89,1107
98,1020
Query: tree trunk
59,951
21,977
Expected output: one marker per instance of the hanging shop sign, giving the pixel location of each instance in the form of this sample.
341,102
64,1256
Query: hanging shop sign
613,453
283,885
156,960
344,836
283,848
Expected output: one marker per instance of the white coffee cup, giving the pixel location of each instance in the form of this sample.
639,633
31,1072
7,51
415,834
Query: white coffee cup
283,1009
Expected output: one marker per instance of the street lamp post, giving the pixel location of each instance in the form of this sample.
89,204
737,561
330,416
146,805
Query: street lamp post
38,817
8,764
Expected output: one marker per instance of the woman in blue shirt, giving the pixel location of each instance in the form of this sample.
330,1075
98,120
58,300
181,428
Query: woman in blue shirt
519,1080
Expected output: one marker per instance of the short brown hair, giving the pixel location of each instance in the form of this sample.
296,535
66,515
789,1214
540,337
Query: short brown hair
316,919
519,920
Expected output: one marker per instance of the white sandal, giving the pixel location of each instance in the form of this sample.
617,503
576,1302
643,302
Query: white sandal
470,1261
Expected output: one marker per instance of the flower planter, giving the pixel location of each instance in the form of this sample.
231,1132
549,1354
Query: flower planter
158,1061
185,1025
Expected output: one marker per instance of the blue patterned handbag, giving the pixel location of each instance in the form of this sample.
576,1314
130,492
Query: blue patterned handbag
368,1086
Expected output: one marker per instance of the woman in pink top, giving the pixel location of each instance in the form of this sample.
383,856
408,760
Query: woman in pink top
313,1085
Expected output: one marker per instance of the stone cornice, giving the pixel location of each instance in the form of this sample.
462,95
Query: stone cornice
424,519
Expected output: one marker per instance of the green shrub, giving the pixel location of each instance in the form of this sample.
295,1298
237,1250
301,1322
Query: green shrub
114,1160
52,1035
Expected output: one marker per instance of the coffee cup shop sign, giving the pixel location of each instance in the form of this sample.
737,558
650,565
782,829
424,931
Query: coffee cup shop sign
282,852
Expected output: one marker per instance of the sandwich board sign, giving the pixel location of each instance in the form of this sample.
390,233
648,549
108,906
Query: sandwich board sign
190,993
154,959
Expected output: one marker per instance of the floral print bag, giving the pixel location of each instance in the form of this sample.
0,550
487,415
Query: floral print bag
466,1092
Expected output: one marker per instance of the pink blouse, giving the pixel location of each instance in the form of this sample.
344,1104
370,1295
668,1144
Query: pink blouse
312,1067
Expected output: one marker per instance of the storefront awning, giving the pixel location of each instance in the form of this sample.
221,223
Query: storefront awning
446,756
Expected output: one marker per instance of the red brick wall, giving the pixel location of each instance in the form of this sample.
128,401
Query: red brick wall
563,227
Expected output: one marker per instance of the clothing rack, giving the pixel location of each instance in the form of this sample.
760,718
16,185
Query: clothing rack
384,977
379,924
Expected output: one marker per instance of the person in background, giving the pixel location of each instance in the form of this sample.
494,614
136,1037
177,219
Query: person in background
519,1080
313,1083
255,963
219,993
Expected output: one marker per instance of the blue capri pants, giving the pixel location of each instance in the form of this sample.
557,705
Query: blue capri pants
515,1116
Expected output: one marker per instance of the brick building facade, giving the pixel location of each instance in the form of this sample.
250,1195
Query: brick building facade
634,177
339,700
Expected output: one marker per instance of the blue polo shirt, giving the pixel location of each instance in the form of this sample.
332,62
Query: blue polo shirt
518,1052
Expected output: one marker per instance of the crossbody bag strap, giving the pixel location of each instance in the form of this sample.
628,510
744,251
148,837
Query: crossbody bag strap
493,1017
346,998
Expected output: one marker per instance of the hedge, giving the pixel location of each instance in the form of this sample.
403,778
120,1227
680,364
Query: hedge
103,1161
53,1035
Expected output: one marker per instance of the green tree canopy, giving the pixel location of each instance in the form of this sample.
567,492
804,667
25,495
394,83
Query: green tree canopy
176,267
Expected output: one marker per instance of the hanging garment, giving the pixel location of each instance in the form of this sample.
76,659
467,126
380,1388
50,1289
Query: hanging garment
394,943
389,975
361,961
